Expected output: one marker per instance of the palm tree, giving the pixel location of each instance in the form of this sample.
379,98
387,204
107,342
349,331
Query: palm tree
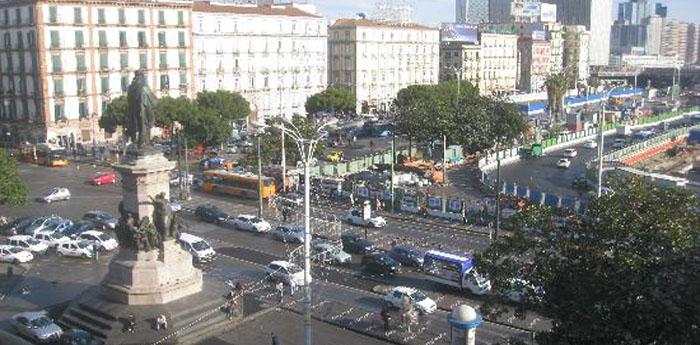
556,85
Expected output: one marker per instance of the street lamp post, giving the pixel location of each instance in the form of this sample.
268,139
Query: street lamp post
601,140
260,196
498,191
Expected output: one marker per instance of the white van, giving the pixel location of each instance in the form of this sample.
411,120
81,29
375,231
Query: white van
29,243
199,248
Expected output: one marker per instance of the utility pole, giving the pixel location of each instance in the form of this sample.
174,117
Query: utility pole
393,161
498,191
601,140
188,195
260,196
284,160
444,160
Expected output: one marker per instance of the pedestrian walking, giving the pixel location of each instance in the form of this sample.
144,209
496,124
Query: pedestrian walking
131,323
352,200
231,308
275,340
386,317
292,287
161,322
379,204
280,290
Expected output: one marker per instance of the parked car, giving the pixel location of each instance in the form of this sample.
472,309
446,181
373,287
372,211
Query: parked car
211,214
15,255
80,227
380,264
56,194
29,243
354,217
251,223
571,153
101,218
16,226
563,163
591,144
407,255
79,337
99,239
326,251
199,248
175,205
51,223
423,303
37,326
356,244
287,233
285,272
291,199
51,238
82,249
104,178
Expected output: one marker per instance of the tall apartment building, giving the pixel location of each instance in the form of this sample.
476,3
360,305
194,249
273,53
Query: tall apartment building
61,62
633,11
471,11
460,59
576,44
534,64
596,16
674,39
275,56
377,59
654,29
550,31
499,63
692,52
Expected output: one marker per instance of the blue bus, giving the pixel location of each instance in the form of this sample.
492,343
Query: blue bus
455,271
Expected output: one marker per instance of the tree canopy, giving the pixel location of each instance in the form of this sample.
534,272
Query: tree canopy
114,115
13,191
229,105
427,112
556,85
624,273
333,99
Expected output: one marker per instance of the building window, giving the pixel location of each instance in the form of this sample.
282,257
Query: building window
161,18
8,41
56,63
101,16
80,62
30,39
104,84
7,17
183,60
180,18
102,38
58,87
181,39
124,60
142,39
143,61
55,39
79,39
183,79
53,15
125,83
82,110
142,17
104,62
77,15
20,42
30,14
163,60
122,39
122,16
164,82
80,86
58,112
161,38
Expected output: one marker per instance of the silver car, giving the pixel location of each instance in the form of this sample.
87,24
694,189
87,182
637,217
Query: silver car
37,326
328,252
57,194
287,233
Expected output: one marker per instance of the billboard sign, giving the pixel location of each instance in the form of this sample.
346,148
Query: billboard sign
538,35
524,9
548,13
456,32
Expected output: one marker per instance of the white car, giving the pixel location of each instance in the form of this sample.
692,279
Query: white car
199,248
591,144
251,223
563,163
424,304
57,194
51,238
29,243
619,143
15,255
82,249
99,239
285,272
354,217
571,153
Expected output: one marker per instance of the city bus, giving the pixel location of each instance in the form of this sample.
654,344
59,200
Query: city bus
45,154
242,185
455,271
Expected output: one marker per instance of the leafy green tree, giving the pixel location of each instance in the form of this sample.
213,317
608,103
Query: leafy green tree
624,273
170,111
556,85
207,127
229,105
333,99
13,191
114,115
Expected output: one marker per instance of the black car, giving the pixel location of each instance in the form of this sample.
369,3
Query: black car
211,214
356,244
17,226
380,264
101,218
407,255
79,337
79,227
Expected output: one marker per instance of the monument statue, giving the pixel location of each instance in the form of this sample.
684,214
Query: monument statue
141,116
146,235
163,218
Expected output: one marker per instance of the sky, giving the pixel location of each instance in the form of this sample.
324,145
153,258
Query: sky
433,12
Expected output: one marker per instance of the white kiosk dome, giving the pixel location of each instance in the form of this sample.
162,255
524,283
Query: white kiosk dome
464,313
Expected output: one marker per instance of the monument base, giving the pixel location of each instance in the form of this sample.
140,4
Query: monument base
140,278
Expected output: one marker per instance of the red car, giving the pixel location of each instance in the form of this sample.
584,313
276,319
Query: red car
104,178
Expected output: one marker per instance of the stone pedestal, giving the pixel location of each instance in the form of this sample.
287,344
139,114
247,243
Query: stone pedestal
142,279
144,176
